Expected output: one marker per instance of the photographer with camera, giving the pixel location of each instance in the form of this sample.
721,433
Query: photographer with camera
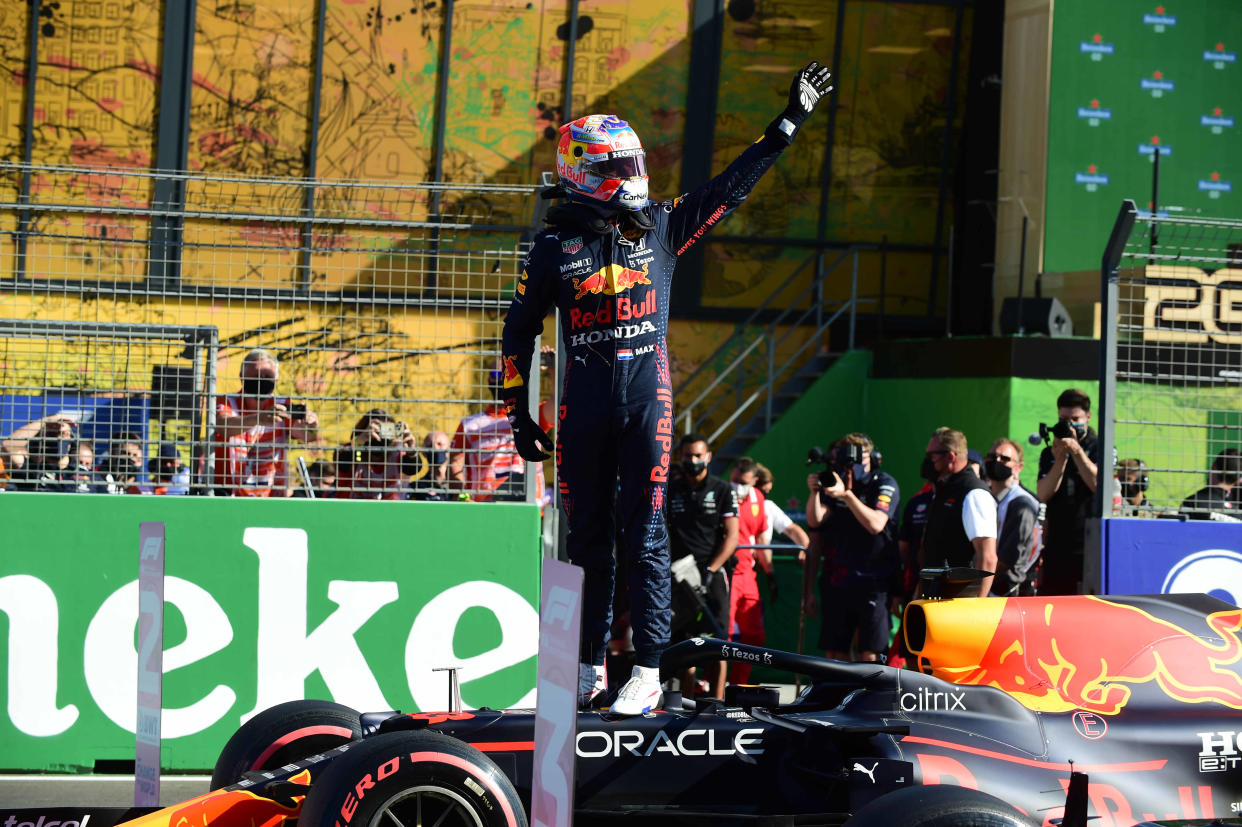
961,528
483,458
380,454
253,432
1067,481
849,510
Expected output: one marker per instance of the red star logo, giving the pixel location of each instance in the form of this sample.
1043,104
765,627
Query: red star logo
1155,139
1096,38
1159,9
1091,168
1216,111
1215,176
1220,47
1095,104
1157,74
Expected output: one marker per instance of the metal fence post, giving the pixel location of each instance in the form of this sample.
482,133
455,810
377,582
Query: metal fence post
1109,277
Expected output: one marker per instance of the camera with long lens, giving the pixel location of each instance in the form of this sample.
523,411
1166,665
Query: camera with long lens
1061,429
840,461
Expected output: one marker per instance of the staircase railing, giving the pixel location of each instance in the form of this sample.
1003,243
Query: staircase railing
741,370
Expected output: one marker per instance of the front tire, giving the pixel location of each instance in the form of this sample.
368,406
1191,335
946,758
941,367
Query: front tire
938,805
412,778
283,734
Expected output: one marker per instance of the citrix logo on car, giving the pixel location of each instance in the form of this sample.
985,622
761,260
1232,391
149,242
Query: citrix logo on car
926,700
689,742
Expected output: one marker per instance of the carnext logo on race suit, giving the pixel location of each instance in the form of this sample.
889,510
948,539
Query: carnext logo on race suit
623,331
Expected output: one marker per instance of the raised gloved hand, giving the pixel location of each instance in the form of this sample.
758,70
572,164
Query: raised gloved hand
533,443
808,88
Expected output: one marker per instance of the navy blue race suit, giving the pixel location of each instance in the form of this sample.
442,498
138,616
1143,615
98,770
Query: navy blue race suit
616,413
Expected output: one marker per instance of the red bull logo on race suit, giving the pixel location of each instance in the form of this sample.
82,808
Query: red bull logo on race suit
611,281
1059,654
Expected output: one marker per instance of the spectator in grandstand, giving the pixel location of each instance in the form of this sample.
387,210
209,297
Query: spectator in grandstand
433,482
50,460
321,475
961,528
16,446
169,475
1067,480
703,535
1132,480
379,456
253,431
1017,515
483,460
127,444
118,474
778,520
852,517
1213,502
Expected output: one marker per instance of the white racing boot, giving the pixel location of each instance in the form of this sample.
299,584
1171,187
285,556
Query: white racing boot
641,693
592,681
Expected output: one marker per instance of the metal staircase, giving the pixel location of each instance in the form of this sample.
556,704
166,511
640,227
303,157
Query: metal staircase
759,371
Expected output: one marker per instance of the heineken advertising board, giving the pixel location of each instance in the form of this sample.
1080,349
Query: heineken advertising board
1130,79
265,601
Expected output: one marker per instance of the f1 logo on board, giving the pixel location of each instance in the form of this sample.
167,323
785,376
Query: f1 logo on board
1219,751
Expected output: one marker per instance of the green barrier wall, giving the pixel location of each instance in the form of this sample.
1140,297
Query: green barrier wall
265,601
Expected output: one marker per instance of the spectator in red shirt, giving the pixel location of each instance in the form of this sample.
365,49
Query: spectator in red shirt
745,605
253,432
483,459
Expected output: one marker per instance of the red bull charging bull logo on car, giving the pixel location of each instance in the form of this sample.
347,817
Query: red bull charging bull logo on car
611,281
1083,653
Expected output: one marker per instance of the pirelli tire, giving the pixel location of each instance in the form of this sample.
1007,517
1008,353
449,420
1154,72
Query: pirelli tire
284,733
938,805
412,778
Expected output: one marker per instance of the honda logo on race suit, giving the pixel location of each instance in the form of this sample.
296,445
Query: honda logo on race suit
624,331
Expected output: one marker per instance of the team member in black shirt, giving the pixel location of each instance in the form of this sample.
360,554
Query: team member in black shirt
1067,480
1214,497
702,523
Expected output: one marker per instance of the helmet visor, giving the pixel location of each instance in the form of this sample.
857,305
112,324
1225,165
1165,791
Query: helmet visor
626,163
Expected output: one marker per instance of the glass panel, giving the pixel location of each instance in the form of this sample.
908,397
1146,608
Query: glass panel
889,146
250,103
764,46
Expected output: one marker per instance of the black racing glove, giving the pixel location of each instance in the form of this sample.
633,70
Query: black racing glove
807,89
533,443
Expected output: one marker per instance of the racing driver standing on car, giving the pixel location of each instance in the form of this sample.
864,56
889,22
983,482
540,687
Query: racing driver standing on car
606,260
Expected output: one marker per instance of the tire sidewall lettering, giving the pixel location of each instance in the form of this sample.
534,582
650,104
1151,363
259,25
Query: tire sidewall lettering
435,773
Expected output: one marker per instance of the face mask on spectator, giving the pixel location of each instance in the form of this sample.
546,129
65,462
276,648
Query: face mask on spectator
258,386
742,489
693,467
1130,490
928,470
859,473
997,470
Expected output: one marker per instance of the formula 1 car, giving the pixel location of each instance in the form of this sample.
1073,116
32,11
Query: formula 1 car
1131,704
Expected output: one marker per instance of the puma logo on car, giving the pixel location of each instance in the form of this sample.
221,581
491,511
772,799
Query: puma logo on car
870,773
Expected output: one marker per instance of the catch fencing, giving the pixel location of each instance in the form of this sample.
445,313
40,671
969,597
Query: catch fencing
129,299
1171,358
